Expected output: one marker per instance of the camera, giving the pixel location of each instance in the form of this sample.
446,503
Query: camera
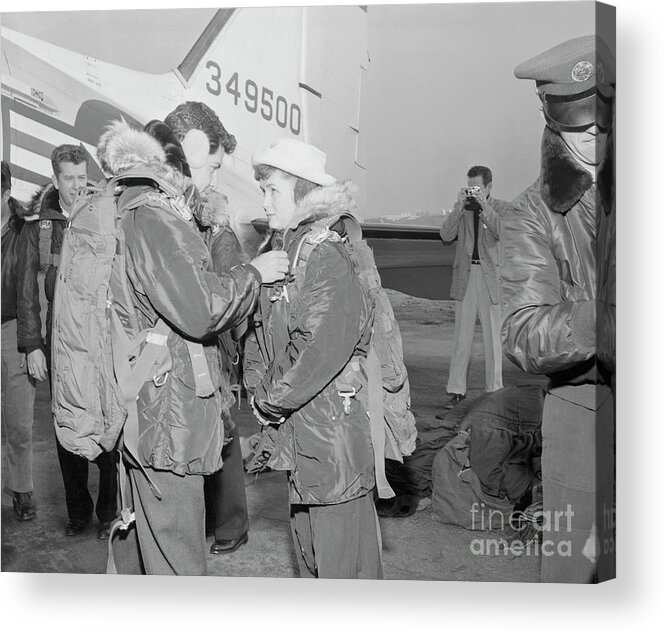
472,203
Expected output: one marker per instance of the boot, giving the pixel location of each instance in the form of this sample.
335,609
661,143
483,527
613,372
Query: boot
24,506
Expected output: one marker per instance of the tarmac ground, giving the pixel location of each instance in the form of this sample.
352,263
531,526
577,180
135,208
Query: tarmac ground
418,547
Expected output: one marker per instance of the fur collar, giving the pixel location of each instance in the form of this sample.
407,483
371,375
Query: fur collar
45,204
17,209
563,182
123,148
323,202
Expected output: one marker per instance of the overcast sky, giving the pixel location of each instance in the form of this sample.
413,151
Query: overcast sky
442,97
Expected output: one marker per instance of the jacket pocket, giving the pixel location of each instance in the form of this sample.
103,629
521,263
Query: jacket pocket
327,409
334,460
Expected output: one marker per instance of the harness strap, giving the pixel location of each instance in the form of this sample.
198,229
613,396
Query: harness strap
46,258
309,247
131,379
307,243
376,422
300,259
128,382
124,521
146,198
202,379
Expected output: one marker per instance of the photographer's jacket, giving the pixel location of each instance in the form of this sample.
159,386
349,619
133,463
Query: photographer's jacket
558,273
458,225
300,345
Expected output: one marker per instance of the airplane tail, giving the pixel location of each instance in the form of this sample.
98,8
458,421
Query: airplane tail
269,73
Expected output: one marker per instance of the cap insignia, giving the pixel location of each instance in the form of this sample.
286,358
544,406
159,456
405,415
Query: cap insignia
582,71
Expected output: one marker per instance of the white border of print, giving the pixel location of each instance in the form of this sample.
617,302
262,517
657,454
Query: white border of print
54,602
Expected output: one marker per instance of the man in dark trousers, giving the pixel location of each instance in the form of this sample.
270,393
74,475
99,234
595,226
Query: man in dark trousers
225,498
39,250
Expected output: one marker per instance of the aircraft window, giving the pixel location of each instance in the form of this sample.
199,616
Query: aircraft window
118,37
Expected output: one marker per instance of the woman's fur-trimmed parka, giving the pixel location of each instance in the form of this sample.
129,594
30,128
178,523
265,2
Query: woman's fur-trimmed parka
303,342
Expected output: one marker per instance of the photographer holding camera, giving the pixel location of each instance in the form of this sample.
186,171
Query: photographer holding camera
475,223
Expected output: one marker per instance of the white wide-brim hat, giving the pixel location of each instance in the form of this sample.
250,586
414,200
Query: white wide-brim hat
296,158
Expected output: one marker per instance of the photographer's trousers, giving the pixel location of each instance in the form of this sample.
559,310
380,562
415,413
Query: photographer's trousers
477,303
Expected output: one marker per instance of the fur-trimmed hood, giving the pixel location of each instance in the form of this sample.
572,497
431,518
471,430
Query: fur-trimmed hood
563,181
324,202
123,148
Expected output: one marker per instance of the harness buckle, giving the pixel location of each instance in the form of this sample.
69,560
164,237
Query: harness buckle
160,381
280,293
127,517
346,396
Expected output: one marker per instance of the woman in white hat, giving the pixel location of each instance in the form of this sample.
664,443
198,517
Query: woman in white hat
307,333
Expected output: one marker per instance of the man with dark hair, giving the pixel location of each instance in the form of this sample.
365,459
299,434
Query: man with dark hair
18,389
558,300
205,141
308,332
475,223
71,182
196,115
39,252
